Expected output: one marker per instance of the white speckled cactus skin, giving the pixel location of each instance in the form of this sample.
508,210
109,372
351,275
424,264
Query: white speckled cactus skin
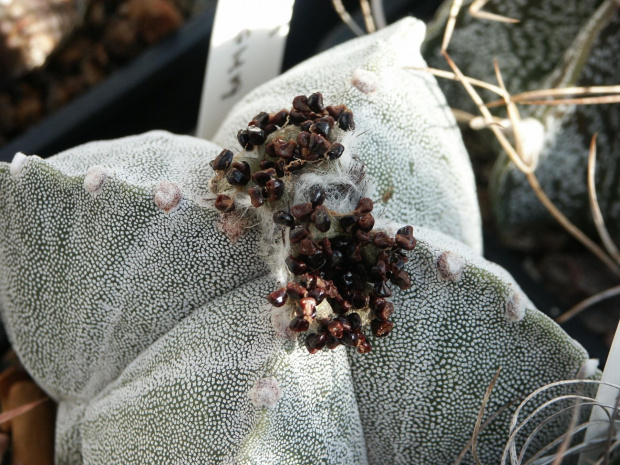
556,44
150,327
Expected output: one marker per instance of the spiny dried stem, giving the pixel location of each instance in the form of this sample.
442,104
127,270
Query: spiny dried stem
475,9
478,425
597,216
368,17
346,17
584,304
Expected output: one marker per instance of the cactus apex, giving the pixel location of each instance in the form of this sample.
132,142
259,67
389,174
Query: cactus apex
167,196
95,178
266,392
450,266
19,160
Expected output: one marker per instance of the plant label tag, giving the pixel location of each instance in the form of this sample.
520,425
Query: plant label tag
246,49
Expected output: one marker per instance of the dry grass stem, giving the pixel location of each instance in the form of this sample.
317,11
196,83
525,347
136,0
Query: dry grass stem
346,18
570,227
447,35
368,18
597,216
513,112
477,426
538,96
378,14
475,9
475,82
584,304
17,411
606,99
489,119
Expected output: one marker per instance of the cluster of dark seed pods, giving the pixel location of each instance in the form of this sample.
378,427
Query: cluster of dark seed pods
286,141
341,259
336,259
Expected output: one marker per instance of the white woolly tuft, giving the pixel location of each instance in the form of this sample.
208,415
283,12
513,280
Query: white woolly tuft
280,320
95,179
266,392
345,181
167,196
515,307
19,160
450,266
365,81
588,369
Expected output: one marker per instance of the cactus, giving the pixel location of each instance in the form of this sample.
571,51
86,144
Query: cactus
580,37
137,297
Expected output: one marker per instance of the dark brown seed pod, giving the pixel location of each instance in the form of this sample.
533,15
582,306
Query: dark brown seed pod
405,231
224,203
383,309
317,294
278,298
284,148
381,328
322,128
350,338
405,242
298,233
317,195
295,266
401,279
308,281
382,240
270,128
326,246
284,218
316,260
240,174
308,307
337,259
335,110
222,161
307,247
346,324
262,119
315,342
300,103
335,151
381,289
299,324
359,300
262,177
345,121
347,222
321,219
315,102
297,117
364,347
302,211
307,155
335,328
365,205
354,252
275,189
267,164
303,139
332,342
296,291
279,118
327,119
355,321
244,139
306,125
318,144
280,168
256,196
362,237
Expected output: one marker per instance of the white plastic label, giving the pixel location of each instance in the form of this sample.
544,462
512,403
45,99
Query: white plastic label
605,396
247,47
